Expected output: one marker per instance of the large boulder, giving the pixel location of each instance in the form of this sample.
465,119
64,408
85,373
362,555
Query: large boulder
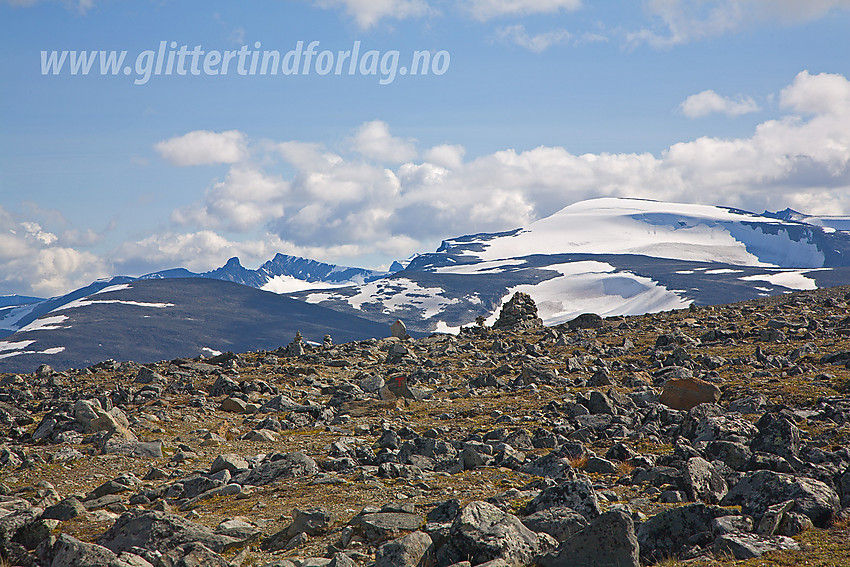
778,435
290,465
159,531
413,550
560,522
482,532
759,490
608,540
68,551
703,482
687,393
575,494
673,532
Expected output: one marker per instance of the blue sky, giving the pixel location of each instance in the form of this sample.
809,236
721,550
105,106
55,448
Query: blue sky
541,103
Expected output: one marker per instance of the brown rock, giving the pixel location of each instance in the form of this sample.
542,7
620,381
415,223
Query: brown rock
685,393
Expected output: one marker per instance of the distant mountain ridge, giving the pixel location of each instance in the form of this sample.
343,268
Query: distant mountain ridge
304,269
606,256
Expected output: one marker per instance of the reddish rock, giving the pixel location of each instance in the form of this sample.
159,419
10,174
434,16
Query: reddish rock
685,393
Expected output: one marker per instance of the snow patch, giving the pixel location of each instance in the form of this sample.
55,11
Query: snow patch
45,324
723,271
594,287
210,351
6,345
118,287
291,284
791,280
85,302
493,267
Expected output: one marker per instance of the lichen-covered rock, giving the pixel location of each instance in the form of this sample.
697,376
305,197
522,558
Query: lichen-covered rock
778,435
609,540
559,522
482,532
413,550
159,531
759,490
290,465
703,482
575,494
749,546
672,532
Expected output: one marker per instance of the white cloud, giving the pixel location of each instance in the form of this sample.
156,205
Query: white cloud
683,21
373,140
367,13
817,94
81,6
537,43
203,147
245,199
339,199
37,262
365,203
448,156
709,102
488,9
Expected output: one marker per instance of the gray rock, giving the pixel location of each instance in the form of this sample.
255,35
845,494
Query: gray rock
482,532
159,531
703,482
575,494
674,531
778,435
398,329
413,550
238,528
311,521
609,540
64,510
192,555
230,462
731,524
759,490
291,465
749,546
560,523
381,526
772,518
600,465
131,448
68,551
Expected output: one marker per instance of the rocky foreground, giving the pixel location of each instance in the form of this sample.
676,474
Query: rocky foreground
712,435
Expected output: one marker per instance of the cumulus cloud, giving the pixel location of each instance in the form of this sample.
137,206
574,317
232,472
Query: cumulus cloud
709,102
37,262
362,203
384,195
488,9
374,140
817,94
203,147
538,43
367,13
683,21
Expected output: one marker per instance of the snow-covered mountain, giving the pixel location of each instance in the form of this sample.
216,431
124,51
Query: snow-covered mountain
161,319
281,274
608,256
